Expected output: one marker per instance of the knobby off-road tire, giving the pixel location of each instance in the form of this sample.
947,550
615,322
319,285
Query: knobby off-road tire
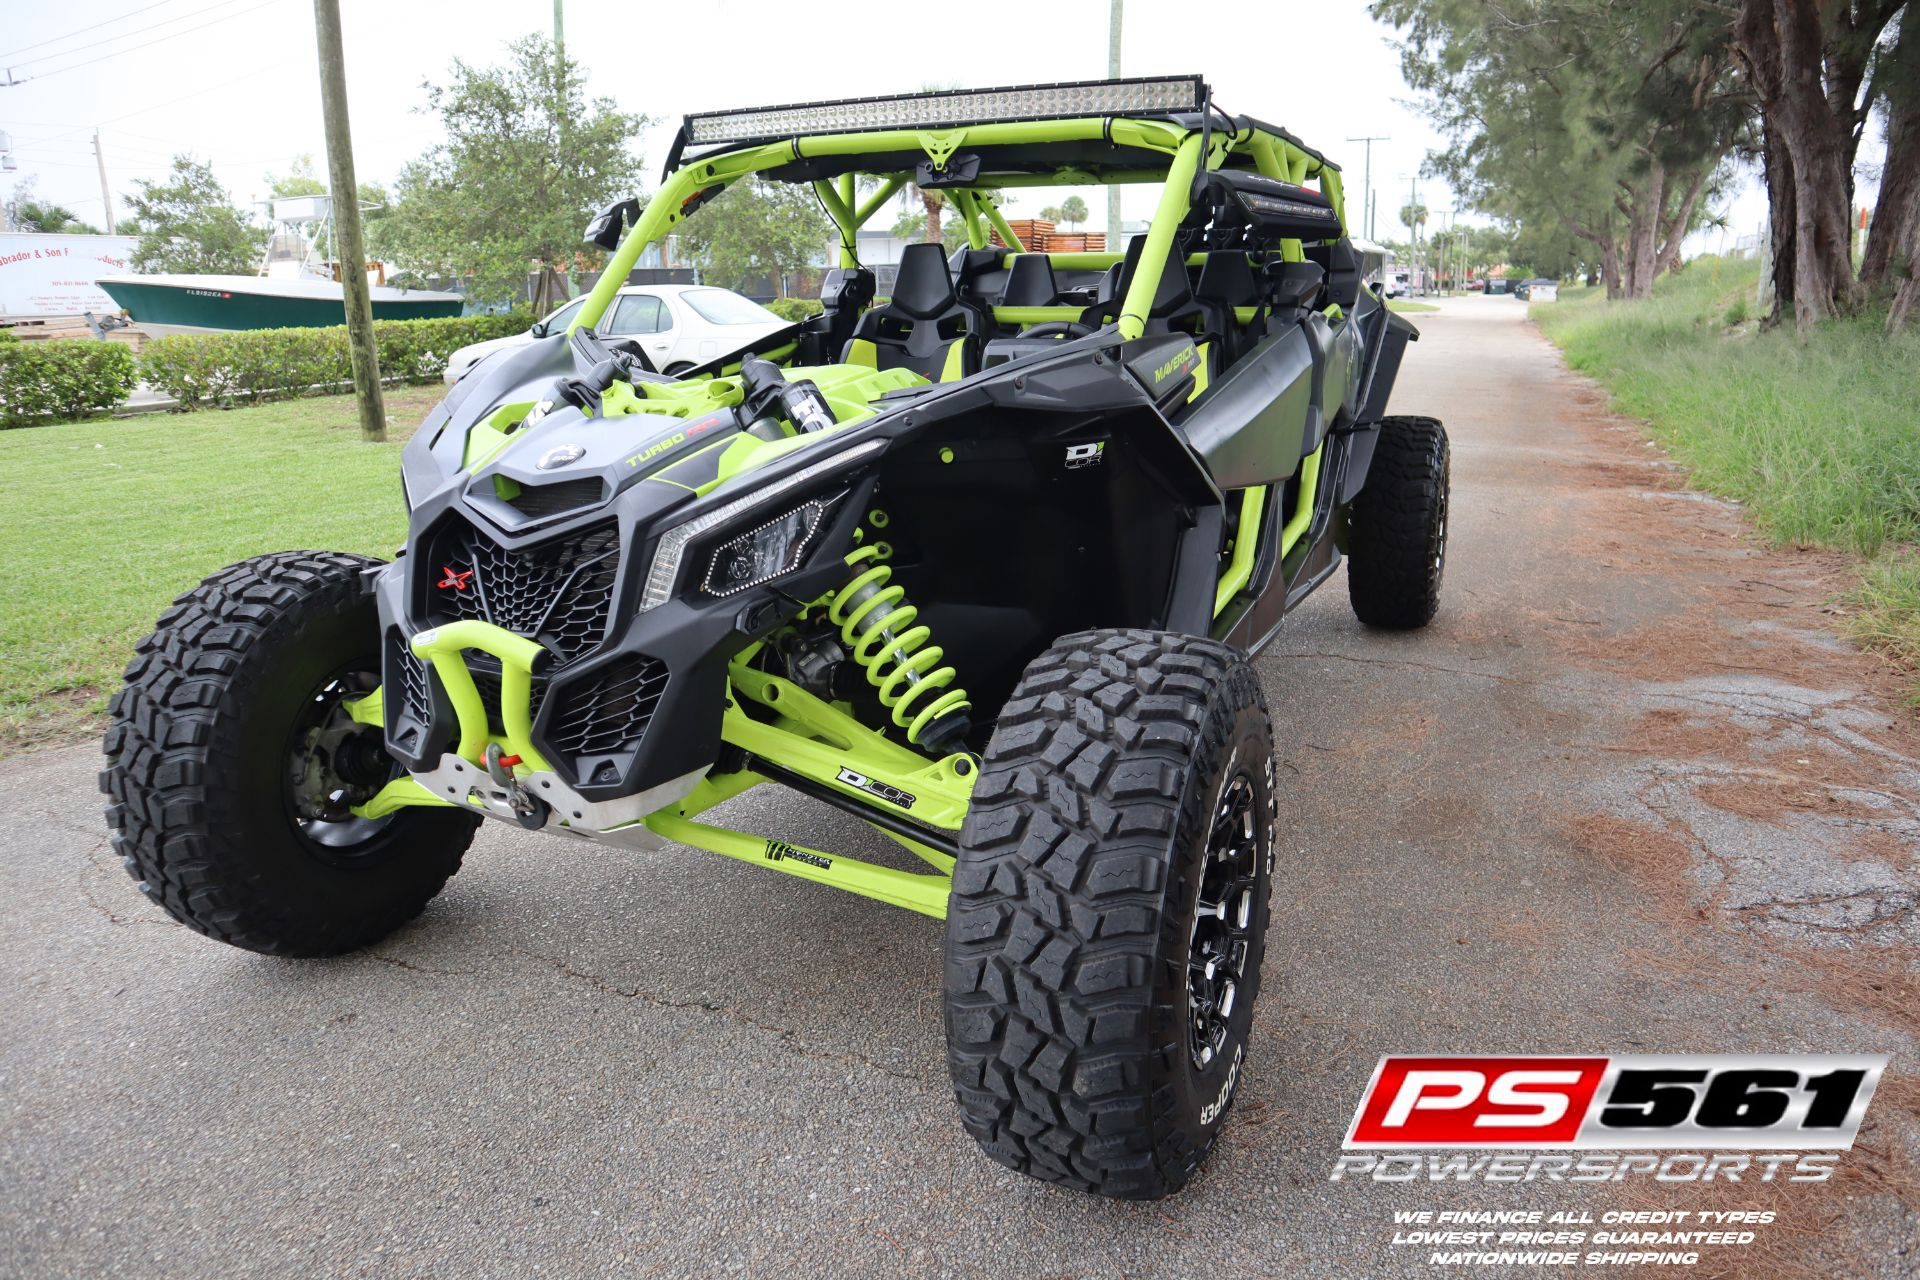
1081,896
222,703
1398,545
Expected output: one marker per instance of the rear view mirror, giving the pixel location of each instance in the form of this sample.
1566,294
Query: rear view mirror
605,229
961,170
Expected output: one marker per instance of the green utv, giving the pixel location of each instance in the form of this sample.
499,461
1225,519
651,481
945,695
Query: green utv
982,563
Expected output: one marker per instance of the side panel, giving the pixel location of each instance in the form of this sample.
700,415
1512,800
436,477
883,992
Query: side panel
1251,424
1394,336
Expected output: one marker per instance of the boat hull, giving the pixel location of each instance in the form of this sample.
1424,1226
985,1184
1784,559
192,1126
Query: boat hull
216,307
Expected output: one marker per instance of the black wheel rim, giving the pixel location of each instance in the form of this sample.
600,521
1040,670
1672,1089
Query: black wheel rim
1222,922
334,763
1437,559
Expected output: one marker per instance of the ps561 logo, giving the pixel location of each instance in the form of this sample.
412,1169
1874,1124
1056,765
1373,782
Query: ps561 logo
1648,1102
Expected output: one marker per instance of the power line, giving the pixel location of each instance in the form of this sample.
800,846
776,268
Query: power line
104,40
83,31
75,66
150,108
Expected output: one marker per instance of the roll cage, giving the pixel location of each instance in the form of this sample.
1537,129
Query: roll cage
1172,150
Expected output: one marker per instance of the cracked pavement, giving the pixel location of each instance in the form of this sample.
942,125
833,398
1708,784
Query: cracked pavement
1626,794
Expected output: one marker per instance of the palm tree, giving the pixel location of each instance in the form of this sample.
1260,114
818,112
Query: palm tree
50,218
1415,216
935,204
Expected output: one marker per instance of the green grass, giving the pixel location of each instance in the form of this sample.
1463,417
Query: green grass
105,522
1818,436
1397,304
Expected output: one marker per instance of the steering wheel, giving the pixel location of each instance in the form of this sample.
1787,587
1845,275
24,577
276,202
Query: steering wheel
1059,329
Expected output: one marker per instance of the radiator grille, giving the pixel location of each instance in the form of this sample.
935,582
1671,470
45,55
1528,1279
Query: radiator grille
555,592
607,713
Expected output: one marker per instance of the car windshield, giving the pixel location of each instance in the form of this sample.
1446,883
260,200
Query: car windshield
563,317
722,306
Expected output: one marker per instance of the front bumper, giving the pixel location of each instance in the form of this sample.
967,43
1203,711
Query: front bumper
618,701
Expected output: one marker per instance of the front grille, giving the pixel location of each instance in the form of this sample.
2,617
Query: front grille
539,500
606,713
486,679
556,592
412,704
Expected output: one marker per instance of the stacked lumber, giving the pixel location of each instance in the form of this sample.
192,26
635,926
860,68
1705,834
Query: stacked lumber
1031,231
59,328
1039,236
1075,242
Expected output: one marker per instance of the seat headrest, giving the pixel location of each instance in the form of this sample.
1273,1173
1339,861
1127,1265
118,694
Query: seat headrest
1294,283
966,264
923,289
1227,278
1174,291
1342,262
1030,282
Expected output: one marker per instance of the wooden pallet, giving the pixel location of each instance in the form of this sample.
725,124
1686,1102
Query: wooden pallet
1039,236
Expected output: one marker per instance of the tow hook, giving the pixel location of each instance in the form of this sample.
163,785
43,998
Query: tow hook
525,808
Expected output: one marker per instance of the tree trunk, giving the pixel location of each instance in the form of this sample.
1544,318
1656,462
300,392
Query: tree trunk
1643,227
1781,221
1904,302
1610,268
1783,46
1894,244
1673,232
549,290
933,204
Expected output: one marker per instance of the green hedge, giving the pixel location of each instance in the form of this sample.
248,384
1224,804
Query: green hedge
40,381
794,309
201,369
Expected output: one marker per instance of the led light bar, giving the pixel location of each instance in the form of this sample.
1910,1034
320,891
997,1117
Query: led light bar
1088,98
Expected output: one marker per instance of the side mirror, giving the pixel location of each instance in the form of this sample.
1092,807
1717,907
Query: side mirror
605,229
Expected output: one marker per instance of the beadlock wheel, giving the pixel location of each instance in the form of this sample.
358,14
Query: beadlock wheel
1109,912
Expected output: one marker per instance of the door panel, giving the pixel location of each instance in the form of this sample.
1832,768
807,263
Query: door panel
1251,422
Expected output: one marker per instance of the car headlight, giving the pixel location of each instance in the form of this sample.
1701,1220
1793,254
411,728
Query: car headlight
781,542
762,554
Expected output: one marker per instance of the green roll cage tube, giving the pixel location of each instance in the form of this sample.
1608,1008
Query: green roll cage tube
810,739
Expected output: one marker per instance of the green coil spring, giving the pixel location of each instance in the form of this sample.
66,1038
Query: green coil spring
878,625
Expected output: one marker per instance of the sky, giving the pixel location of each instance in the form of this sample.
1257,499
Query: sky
233,82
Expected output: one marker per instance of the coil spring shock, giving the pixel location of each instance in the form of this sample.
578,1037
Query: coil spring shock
879,628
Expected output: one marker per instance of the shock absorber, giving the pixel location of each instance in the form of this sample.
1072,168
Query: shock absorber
879,628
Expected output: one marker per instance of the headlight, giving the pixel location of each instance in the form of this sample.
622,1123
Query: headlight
764,553
756,547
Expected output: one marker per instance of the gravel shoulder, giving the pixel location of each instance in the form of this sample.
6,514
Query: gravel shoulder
1628,793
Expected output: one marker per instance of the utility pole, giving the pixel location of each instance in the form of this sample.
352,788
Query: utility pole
559,28
349,246
1413,227
106,193
1113,73
1367,181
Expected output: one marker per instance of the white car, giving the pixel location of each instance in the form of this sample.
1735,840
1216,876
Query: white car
678,326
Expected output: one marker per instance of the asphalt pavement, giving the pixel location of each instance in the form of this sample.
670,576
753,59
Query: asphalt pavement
1628,793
